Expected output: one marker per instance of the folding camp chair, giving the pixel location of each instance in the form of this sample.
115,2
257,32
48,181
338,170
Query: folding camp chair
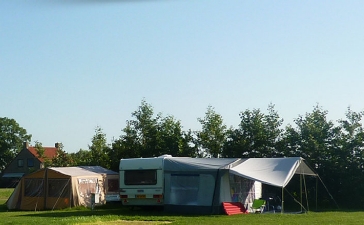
258,205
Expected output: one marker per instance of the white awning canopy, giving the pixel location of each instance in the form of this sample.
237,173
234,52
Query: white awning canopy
272,171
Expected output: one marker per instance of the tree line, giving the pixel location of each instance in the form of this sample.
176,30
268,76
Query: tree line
334,149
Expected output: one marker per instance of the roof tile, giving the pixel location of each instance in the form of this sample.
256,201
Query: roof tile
49,152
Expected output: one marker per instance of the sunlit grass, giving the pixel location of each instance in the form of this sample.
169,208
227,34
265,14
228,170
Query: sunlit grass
117,214
5,193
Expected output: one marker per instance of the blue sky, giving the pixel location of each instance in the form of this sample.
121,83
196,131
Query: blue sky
67,66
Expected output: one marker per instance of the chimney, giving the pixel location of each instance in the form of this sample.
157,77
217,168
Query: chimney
56,145
25,145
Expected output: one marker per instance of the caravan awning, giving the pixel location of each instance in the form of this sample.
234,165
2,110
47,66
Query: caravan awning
272,171
193,164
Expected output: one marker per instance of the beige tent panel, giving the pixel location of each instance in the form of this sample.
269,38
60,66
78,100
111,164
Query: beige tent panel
11,202
57,188
110,180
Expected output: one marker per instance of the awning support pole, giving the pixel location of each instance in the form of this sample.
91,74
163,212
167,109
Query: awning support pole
301,192
316,191
306,195
282,210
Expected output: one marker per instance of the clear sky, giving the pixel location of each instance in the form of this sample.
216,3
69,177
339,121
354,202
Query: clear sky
67,66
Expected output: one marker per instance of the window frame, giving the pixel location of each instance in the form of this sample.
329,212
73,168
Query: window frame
146,177
32,162
20,162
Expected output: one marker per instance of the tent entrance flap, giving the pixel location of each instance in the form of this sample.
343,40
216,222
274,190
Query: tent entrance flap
272,171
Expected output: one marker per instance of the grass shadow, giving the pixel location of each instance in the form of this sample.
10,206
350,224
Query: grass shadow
109,210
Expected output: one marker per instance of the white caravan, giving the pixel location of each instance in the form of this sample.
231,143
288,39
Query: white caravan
142,181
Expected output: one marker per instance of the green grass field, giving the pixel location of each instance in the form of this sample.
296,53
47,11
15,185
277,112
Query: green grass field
116,214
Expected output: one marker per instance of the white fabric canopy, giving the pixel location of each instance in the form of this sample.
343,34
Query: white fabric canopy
272,171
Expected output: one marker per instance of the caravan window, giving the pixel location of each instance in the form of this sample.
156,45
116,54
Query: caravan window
140,177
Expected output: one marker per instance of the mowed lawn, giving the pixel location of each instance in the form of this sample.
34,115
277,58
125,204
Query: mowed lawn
116,214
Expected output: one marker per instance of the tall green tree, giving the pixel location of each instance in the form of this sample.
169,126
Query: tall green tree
187,145
212,137
149,135
81,158
145,126
313,138
258,135
274,132
169,135
248,140
12,137
347,164
126,146
139,137
62,159
99,149
351,144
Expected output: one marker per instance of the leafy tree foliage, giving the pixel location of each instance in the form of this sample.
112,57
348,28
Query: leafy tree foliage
258,135
99,149
148,135
145,126
352,140
187,145
62,158
81,158
40,152
12,136
169,136
213,135
140,135
39,149
313,138
347,164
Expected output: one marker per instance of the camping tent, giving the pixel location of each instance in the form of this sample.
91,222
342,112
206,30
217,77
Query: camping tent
110,182
273,171
200,185
56,188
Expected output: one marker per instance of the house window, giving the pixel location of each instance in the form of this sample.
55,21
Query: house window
20,162
30,162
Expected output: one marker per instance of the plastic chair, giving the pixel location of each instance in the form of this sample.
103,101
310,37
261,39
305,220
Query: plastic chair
258,205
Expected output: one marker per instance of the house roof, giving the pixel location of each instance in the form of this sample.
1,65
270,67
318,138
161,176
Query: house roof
49,152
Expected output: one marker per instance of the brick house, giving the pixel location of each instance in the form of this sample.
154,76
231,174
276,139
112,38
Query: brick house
27,161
